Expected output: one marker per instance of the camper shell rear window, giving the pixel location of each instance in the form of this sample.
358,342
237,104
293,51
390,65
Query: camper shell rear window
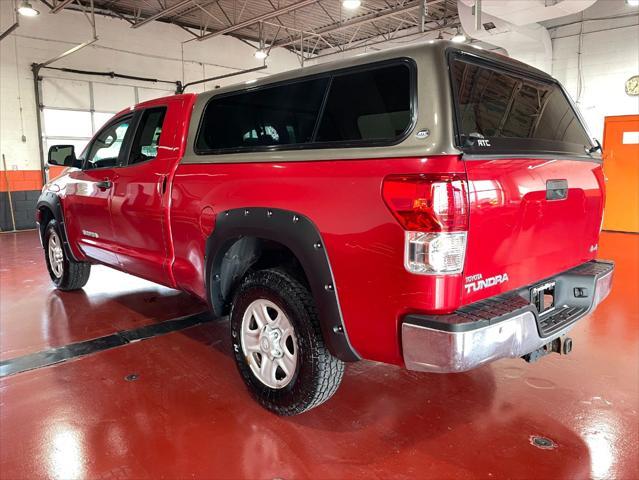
499,110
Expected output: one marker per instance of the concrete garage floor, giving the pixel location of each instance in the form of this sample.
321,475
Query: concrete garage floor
187,413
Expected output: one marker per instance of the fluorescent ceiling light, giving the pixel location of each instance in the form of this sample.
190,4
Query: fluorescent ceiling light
633,3
260,54
26,10
351,4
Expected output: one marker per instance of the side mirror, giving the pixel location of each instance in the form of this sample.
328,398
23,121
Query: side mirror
62,156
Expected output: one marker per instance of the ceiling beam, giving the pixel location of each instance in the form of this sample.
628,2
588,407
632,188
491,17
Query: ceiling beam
371,41
60,5
162,13
364,19
201,4
260,18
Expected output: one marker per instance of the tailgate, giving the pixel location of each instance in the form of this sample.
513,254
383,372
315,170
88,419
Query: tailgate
525,226
535,186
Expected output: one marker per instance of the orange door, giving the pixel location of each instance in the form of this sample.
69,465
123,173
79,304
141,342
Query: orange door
621,167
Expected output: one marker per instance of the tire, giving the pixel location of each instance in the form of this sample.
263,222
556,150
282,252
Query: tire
65,272
315,375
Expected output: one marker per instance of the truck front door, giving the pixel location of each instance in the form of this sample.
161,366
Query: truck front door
88,193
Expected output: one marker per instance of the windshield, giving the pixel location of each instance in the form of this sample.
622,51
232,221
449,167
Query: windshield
502,112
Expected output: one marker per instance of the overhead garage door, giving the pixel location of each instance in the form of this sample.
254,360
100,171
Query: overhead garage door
74,109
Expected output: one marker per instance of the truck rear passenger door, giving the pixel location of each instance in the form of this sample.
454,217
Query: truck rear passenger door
139,204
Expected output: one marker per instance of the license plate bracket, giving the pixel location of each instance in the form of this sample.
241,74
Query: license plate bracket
543,297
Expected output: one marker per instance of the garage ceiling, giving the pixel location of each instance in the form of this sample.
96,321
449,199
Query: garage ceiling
309,27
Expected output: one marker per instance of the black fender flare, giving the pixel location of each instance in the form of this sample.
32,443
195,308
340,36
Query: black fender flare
52,202
233,248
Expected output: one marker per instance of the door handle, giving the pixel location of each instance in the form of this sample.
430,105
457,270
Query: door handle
104,184
162,184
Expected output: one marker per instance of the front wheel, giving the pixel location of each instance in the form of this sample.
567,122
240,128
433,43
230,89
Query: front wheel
65,272
278,345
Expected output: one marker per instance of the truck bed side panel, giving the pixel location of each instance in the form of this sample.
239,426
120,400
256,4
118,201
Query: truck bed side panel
364,242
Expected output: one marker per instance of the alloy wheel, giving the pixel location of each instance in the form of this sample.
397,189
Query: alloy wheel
56,254
269,343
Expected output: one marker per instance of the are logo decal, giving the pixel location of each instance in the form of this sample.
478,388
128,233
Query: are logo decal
475,283
483,143
423,134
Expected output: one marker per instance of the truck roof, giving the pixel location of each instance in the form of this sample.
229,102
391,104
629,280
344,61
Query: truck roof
432,48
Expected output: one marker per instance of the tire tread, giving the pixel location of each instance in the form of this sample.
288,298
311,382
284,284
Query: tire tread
76,274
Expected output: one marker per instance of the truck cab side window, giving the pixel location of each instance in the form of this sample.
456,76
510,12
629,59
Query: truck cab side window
370,105
105,149
268,117
147,137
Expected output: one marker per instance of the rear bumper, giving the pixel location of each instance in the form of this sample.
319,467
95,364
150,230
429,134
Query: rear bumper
503,326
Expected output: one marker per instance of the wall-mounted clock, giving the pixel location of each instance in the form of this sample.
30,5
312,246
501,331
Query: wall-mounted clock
632,85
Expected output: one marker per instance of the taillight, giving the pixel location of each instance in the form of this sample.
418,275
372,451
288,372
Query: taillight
428,203
433,209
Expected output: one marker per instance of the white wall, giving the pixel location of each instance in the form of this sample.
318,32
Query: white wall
153,50
610,55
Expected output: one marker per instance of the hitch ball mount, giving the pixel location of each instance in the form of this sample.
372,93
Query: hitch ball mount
558,345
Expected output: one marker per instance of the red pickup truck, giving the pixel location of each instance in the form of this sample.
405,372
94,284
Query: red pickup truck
436,207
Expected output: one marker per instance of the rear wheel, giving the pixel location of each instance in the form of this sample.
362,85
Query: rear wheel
278,345
65,272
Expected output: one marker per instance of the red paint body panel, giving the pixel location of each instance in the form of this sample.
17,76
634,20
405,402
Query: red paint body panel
87,209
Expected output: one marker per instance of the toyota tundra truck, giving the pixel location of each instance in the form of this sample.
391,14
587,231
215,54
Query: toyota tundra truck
436,207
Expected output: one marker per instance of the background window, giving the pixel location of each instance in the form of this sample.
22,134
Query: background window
74,110
147,137
67,123
371,105
282,115
105,149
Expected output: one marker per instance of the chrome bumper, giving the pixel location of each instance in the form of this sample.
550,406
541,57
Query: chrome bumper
456,347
